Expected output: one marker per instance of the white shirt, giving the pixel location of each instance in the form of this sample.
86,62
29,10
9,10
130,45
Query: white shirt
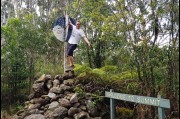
76,35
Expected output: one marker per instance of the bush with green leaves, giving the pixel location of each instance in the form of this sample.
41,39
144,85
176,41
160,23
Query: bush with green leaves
81,69
124,113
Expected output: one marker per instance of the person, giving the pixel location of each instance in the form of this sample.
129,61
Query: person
77,34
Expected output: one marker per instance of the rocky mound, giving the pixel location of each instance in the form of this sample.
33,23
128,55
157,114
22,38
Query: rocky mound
55,98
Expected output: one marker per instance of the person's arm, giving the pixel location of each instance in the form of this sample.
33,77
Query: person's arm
70,23
87,41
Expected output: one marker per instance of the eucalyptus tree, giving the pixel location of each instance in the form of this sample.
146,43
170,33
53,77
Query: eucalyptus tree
137,31
25,43
14,59
146,25
172,27
7,11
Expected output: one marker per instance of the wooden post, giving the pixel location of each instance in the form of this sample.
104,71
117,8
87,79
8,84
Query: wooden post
64,57
65,35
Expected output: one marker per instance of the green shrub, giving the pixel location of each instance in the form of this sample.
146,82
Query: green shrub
110,69
89,77
133,88
128,75
79,91
124,113
81,69
98,71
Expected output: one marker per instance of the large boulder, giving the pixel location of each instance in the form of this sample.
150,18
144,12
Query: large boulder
35,116
60,113
81,115
74,98
56,90
53,105
64,103
73,111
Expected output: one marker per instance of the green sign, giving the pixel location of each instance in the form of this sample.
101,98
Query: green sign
164,103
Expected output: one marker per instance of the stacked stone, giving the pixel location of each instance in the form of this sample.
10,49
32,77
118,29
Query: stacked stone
55,98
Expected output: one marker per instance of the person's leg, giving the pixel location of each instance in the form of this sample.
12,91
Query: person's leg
70,57
71,60
68,53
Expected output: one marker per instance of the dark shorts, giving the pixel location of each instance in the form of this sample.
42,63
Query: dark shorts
70,49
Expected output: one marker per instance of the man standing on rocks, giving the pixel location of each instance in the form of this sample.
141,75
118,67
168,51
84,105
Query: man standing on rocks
77,34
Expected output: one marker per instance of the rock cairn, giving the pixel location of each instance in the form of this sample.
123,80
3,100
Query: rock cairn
55,98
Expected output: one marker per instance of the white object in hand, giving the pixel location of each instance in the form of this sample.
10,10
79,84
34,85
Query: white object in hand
59,33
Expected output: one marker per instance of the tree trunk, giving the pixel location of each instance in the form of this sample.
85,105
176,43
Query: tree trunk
97,59
15,7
